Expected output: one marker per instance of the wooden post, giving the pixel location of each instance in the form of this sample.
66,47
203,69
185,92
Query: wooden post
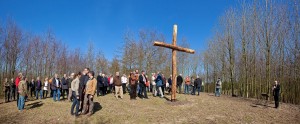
174,65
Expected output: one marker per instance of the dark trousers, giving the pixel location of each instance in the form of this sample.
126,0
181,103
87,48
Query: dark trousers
7,94
45,93
81,95
75,103
193,90
104,90
276,98
143,91
32,91
163,89
198,90
124,88
100,91
13,94
17,96
65,91
51,92
179,88
133,91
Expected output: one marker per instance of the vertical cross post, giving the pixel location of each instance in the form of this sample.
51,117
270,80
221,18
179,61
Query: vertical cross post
174,64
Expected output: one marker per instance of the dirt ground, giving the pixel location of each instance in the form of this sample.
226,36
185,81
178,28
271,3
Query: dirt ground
203,109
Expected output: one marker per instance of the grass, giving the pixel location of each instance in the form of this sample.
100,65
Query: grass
188,109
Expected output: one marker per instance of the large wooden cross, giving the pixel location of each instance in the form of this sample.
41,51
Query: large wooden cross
174,65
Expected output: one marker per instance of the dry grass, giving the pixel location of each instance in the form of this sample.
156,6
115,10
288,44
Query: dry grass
188,109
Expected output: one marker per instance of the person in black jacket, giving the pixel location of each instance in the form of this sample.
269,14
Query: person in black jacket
105,84
83,80
7,90
179,83
38,88
198,84
170,84
100,85
143,80
32,87
276,93
12,89
64,86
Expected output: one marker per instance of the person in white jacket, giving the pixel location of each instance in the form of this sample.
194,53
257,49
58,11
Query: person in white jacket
124,81
153,84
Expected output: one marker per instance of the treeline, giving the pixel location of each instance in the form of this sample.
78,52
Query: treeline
255,44
42,55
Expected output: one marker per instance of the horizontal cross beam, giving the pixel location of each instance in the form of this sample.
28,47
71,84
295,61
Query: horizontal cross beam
170,46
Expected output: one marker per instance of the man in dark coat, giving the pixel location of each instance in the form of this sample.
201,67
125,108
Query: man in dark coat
100,85
64,86
198,84
179,82
105,84
143,80
276,93
83,80
38,88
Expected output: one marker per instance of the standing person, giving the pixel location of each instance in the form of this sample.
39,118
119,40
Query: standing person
163,87
7,90
82,86
75,93
193,86
111,84
179,82
38,88
64,86
13,89
198,84
118,86
32,87
100,85
159,84
17,81
143,80
27,84
45,88
153,84
105,83
70,79
22,90
124,82
90,89
276,93
56,85
170,84
218,87
133,85
187,84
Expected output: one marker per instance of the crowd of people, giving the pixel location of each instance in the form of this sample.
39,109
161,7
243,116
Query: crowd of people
80,88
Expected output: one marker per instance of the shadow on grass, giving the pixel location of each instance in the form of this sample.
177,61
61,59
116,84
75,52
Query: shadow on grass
259,104
35,105
97,107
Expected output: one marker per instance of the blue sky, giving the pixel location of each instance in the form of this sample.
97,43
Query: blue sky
105,21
